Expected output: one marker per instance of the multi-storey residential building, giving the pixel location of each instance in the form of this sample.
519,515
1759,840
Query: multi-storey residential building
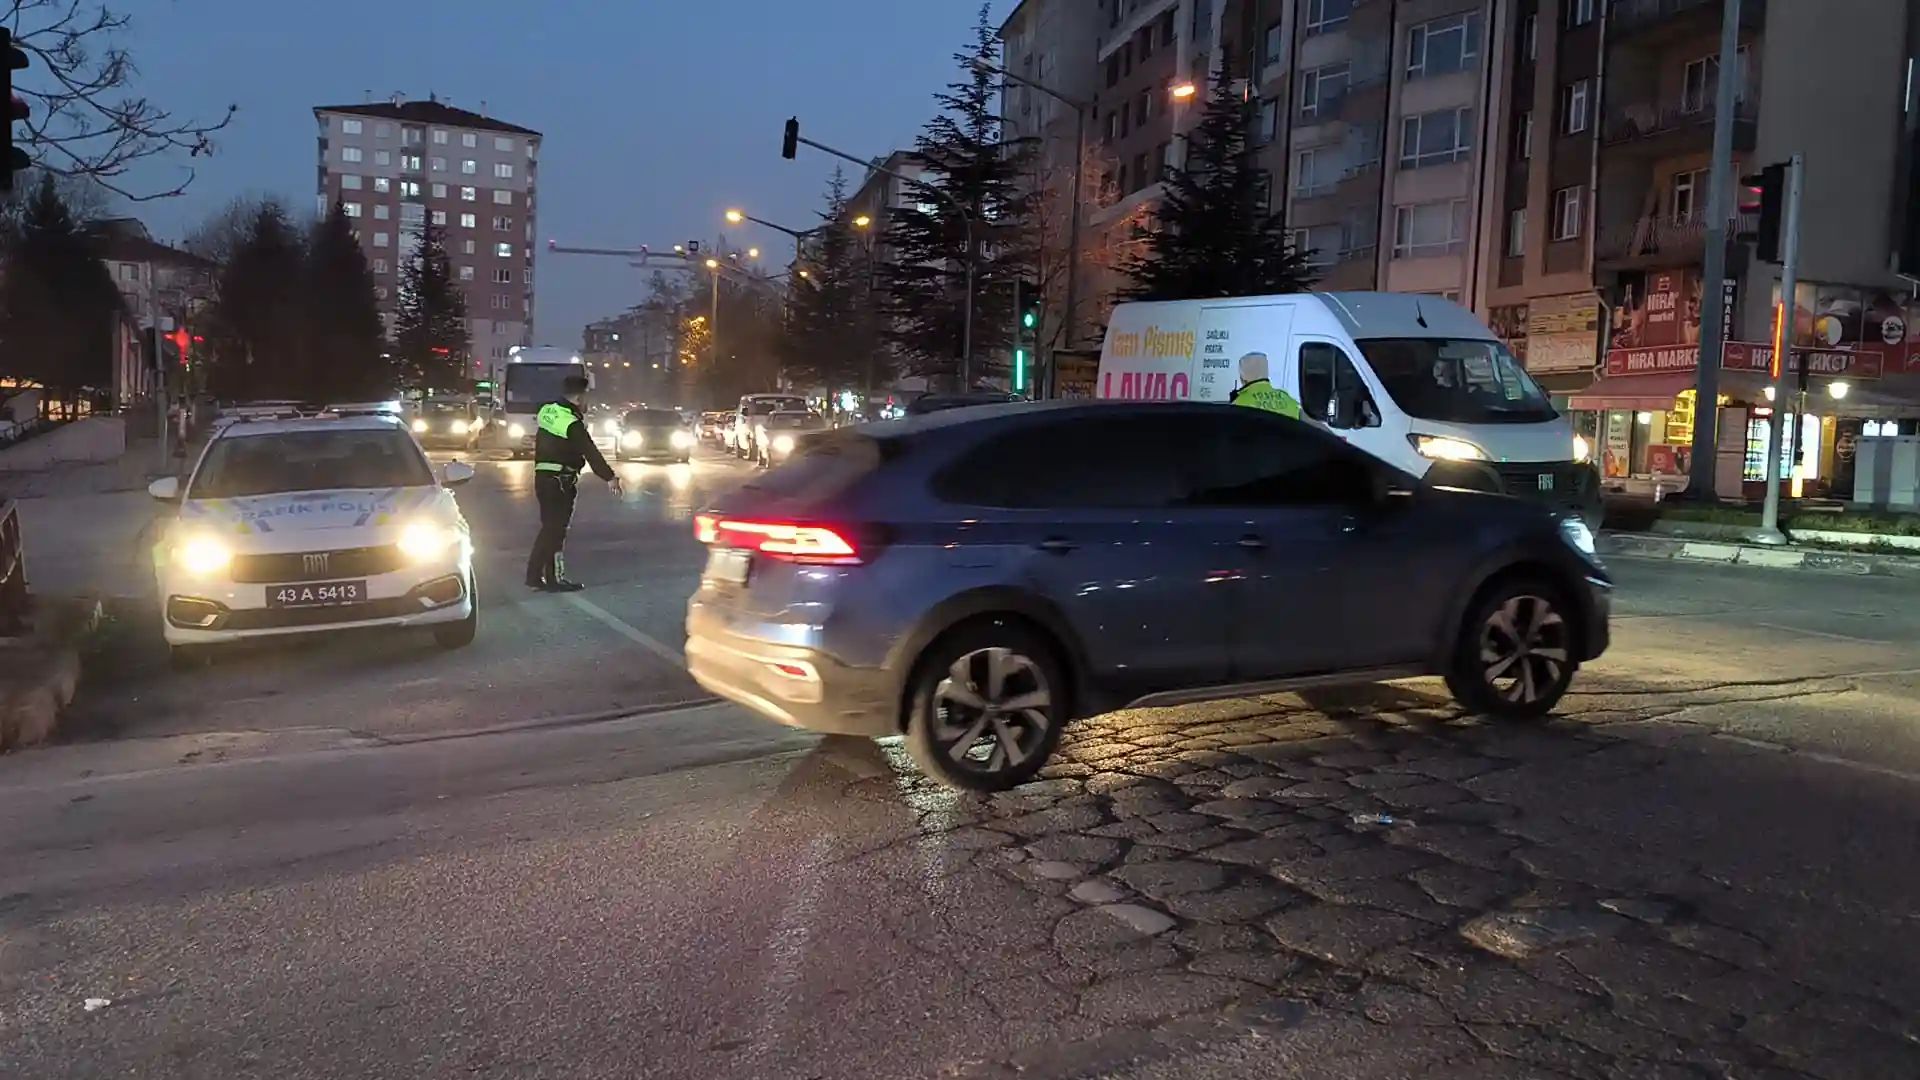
396,165
881,192
163,286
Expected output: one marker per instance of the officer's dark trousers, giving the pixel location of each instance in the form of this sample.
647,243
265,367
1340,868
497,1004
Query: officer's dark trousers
555,492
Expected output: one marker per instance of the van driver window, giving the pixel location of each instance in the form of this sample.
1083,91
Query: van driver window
1330,386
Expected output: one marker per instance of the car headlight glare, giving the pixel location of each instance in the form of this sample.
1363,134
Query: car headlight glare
1582,450
459,427
632,440
419,427
611,427
203,556
423,540
1442,448
783,444
1578,536
515,431
681,440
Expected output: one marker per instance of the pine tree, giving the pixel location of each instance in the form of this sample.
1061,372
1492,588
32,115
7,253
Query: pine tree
970,164
1214,234
347,341
58,303
256,340
430,338
825,342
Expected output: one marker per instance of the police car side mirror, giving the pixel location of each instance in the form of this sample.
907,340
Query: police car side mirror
455,473
166,489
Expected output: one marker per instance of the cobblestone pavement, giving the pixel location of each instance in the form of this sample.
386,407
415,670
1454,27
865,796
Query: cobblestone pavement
1315,884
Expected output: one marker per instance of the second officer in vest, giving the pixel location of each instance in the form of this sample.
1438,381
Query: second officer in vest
561,448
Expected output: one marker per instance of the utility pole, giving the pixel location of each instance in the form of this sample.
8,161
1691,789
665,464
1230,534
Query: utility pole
1769,532
1713,299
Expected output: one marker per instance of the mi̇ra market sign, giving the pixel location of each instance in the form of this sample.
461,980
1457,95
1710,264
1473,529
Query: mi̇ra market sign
1746,356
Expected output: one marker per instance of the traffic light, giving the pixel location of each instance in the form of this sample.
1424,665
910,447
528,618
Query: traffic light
17,111
180,340
150,347
1027,303
790,142
1763,197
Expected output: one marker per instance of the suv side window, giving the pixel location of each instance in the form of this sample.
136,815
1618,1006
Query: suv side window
1089,463
1256,460
1331,390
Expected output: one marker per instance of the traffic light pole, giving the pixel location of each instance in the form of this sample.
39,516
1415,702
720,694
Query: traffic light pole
1769,532
1713,300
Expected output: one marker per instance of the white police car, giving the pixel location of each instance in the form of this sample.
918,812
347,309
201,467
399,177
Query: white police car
294,525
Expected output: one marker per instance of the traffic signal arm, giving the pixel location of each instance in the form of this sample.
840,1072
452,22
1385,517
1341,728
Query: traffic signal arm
17,111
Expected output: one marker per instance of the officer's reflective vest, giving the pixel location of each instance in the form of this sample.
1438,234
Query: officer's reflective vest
1264,395
552,450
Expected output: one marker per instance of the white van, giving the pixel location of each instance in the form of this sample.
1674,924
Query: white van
1410,379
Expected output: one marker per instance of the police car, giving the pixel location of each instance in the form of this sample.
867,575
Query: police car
334,522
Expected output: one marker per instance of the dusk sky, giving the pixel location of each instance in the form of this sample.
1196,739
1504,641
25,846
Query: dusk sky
656,116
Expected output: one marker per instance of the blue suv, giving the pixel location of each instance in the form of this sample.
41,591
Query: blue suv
974,579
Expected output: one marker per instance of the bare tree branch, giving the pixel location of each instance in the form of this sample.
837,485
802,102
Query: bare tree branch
84,119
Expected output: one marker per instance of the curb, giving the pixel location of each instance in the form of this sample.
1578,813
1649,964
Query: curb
1644,546
40,671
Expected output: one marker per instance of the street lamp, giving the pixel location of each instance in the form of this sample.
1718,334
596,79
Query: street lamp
735,217
1183,91
862,221
753,253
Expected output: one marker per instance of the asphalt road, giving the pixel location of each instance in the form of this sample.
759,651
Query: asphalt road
354,859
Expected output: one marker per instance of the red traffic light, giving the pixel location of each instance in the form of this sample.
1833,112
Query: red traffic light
1751,196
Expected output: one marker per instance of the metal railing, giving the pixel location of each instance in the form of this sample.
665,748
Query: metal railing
1647,119
13,572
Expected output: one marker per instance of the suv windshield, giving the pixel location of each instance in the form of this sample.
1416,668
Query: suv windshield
790,421
1457,380
293,461
653,418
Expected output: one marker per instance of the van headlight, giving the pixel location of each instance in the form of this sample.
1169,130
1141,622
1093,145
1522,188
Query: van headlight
632,440
1582,450
681,440
1579,537
515,431
423,541
783,444
203,556
419,427
1444,448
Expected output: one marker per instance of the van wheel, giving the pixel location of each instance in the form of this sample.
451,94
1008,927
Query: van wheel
1514,658
987,708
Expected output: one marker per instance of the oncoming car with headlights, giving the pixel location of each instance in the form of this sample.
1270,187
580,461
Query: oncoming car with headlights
783,430
654,435
444,423
293,526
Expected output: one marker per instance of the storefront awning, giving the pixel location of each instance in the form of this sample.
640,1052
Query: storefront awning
1653,393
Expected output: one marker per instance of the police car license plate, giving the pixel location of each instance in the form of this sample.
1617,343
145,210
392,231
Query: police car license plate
316,594
730,565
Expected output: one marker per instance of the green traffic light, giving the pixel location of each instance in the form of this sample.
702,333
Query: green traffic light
1019,370
1028,319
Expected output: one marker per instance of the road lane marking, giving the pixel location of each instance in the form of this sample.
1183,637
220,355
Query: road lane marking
646,641
1823,634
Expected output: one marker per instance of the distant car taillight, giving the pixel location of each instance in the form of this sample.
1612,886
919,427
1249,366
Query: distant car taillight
778,540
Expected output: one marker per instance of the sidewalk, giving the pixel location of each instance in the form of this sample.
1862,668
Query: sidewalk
88,544
1653,546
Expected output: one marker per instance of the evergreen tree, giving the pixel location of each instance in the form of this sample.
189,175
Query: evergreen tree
1214,234
970,164
430,338
256,342
59,306
346,339
826,342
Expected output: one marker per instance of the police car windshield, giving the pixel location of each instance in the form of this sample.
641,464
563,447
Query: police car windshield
530,386
1456,380
294,461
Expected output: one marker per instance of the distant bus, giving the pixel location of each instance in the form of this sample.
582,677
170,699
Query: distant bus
534,376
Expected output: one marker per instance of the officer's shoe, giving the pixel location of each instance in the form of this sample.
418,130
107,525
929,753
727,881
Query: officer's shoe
538,583
563,585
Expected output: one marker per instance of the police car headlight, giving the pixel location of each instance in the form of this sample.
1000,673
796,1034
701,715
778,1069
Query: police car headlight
419,427
424,540
459,427
632,440
783,444
681,440
203,556
515,431
1442,448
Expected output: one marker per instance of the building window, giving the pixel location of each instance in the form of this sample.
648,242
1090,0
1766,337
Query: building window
409,162
502,170
352,209
439,191
1429,229
1273,46
468,139
1113,71
1580,12
1567,217
439,137
468,194
502,197
381,239
468,221
1530,39
382,157
503,251
350,182
502,277
413,212
379,266
1325,15
1573,108
1315,172
383,131
1169,30
438,164
439,217
466,273
502,224
470,167
351,127
1686,203
1523,137
380,212
350,154
1322,88
1516,233
382,185
466,247
409,189
1267,124
1436,138
503,144
1700,82
1444,46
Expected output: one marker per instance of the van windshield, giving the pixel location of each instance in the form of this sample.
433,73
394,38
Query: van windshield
1458,381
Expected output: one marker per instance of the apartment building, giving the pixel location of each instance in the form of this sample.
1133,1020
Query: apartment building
162,285
396,165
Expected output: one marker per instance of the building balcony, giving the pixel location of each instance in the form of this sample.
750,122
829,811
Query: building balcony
1670,128
1652,243
1664,20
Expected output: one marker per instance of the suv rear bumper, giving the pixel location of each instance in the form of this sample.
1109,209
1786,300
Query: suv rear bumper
792,685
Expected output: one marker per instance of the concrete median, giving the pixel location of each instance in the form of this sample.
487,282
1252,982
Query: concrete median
1649,546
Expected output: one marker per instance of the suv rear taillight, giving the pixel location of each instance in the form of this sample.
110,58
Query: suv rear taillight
791,541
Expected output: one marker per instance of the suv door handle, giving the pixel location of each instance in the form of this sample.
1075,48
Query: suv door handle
1056,545
1252,542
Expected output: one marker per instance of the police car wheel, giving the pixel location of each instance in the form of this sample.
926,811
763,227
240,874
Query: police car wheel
459,635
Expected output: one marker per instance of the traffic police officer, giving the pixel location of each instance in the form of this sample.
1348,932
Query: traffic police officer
562,446
1257,393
